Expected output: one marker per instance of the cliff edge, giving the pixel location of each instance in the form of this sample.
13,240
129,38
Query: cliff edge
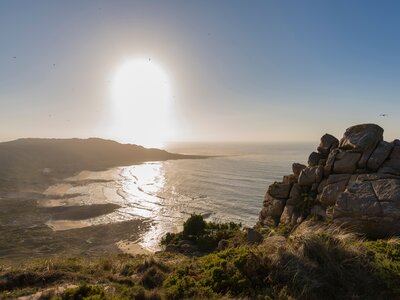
354,182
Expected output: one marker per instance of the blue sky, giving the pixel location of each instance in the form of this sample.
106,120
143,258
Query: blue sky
259,71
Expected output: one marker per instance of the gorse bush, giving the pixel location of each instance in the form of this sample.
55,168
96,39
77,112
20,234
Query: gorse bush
195,225
204,235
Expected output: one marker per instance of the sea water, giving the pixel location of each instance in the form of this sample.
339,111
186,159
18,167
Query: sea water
228,186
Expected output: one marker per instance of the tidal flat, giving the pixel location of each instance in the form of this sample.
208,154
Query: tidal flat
23,232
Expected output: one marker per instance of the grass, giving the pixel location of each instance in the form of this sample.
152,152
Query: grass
386,261
232,271
311,261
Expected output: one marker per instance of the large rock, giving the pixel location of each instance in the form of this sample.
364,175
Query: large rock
392,165
286,217
297,168
346,162
279,190
396,150
380,154
311,175
289,179
295,195
335,185
328,142
330,161
358,201
361,137
314,158
364,208
321,185
272,210
335,178
387,190
290,215
356,185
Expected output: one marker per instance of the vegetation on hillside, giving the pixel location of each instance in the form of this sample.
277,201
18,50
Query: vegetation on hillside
312,261
202,237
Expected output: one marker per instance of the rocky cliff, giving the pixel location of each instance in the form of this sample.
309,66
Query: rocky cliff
353,182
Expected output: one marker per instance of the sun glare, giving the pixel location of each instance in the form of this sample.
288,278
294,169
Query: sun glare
141,96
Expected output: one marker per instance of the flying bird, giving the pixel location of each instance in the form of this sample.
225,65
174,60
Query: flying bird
14,57
383,115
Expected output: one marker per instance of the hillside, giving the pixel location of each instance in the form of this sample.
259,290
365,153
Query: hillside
220,261
32,164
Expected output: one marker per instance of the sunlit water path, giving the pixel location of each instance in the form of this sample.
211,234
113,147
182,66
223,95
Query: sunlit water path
225,188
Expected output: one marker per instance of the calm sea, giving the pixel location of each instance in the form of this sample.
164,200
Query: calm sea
230,186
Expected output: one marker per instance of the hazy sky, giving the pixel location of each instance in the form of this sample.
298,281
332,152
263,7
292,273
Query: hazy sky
238,70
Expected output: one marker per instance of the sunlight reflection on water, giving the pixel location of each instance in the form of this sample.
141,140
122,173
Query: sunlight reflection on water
164,194
141,187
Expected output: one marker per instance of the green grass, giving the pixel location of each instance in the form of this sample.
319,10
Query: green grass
386,261
234,271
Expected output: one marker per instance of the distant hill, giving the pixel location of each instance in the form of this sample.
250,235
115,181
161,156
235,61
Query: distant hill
39,162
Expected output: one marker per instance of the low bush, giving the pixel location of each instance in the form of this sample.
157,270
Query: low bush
84,292
235,271
204,235
195,225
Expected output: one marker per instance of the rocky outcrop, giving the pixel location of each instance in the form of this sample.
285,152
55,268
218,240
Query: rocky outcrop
353,182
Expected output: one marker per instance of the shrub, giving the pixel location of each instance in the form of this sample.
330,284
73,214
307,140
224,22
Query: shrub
195,225
236,271
171,238
204,235
84,292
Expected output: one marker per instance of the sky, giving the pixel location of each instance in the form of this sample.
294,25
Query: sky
237,71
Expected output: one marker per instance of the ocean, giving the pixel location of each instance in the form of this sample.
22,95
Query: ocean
229,186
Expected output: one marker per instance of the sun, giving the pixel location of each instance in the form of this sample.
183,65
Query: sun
141,98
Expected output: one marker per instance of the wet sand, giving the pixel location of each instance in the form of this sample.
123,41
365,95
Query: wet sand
76,201
132,248
24,234
42,225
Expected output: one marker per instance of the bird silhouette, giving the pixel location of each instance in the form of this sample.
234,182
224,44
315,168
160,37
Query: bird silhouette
14,57
383,115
